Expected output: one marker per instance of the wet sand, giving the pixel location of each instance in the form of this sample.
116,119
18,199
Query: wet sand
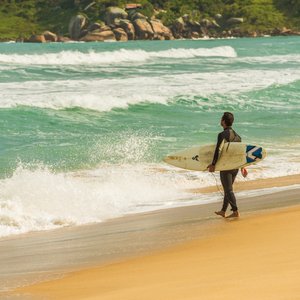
254,184
256,257
41,256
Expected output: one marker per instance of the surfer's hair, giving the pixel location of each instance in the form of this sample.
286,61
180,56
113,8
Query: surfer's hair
228,118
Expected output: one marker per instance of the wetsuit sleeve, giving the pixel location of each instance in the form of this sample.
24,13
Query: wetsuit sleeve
216,155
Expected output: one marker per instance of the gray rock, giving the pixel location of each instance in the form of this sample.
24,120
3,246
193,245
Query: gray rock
128,27
195,35
161,32
99,36
143,29
234,21
113,13
50,36
120,34
63,39
36,38
75,26
136,15
102,28
95,26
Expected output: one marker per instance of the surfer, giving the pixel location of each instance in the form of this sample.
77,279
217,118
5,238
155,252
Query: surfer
227,177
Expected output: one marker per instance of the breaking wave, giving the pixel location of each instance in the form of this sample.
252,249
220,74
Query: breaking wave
113,57
107,94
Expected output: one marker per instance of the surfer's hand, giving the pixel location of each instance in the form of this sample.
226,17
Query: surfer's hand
244,172
211,168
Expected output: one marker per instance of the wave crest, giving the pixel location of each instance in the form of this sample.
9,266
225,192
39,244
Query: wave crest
113,57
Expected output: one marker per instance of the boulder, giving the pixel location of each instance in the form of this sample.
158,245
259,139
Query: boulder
102,28
178,28
195,35
95,26
50,36
112,13
136,15
128,27
63,39
161,32
120,34
36,38
96,36
208,24
143,29
286,31
75,26
234,21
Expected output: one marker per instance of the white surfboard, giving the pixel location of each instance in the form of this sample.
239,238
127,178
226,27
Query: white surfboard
232,156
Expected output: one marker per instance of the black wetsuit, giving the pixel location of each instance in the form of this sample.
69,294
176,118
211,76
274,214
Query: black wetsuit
227,177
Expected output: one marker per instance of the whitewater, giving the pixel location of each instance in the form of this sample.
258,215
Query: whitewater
84,126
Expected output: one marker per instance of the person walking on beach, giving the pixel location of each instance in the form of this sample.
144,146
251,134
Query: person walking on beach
227,177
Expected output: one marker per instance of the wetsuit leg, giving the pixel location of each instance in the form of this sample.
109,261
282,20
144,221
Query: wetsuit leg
227,179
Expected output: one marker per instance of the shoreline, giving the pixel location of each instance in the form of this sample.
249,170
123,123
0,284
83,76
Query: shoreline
255,184
41,256
207,38
260,251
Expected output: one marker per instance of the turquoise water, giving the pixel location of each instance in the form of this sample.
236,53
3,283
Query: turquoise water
106,113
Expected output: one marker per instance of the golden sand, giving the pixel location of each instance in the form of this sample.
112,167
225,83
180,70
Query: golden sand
255,257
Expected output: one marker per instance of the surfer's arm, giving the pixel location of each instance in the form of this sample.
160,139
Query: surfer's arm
216,155
211,167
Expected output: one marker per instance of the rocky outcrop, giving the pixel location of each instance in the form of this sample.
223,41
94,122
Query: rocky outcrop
50,36
128,27
178,28
286,31
161,32
120,35
98,36
95,26
63,39
114,14
36,38
75,26
143,29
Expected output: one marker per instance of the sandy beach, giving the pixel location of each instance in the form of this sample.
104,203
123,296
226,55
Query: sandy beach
257,257
179,253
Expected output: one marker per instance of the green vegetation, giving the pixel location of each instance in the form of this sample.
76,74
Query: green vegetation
23,18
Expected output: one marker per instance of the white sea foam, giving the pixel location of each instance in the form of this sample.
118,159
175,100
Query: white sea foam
271,59
112,57
106,94
38,199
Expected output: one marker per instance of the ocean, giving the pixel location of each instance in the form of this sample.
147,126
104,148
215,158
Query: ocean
84,126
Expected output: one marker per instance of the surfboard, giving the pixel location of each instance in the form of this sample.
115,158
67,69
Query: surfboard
231,156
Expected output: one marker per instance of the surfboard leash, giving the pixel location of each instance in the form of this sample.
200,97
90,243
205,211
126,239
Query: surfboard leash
217,185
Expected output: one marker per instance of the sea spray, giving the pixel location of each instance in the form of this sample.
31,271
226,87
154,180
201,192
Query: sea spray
39,199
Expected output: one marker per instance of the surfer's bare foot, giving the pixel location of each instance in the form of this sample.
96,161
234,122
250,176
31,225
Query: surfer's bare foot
235,214
220,213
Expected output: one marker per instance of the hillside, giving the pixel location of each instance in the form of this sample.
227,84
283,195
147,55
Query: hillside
23,18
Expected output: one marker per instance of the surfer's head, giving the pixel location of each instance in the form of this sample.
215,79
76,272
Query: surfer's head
227,119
